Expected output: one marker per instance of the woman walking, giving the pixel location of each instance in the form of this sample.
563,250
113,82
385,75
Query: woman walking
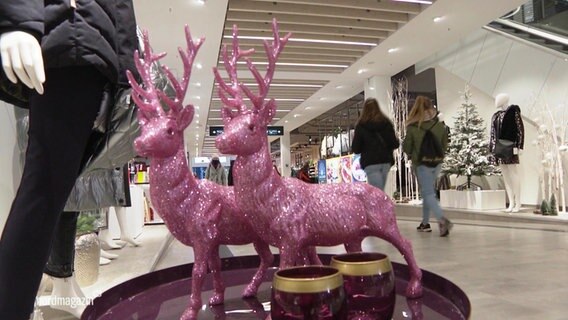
375,140
423,118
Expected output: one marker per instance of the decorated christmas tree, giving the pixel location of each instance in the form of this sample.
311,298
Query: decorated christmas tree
468,149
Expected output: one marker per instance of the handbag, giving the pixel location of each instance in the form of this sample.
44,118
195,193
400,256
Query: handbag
503,148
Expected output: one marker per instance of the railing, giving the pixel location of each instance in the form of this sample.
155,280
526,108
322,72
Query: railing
546,15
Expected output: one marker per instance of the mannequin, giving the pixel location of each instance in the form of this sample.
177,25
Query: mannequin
509,117
125,236
64,99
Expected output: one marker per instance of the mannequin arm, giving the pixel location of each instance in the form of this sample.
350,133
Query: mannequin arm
22,59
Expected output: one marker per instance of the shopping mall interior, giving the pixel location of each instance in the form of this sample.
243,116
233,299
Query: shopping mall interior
506,254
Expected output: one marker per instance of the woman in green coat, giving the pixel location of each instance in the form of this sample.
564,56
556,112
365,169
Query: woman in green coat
422,118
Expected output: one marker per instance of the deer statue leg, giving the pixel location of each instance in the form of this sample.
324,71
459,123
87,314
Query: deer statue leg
197,275
289,253
266,260
214,262
392,235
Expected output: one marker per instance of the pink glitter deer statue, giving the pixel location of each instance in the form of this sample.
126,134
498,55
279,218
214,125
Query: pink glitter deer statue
287,212
198,213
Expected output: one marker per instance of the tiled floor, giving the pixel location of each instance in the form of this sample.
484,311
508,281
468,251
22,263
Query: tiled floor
508,273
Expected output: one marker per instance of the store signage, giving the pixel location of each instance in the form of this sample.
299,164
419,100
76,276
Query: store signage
215,131
270,131
275,130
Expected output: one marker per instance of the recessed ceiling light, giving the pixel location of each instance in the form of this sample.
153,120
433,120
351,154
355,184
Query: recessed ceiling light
437,19
198,65
339,87
297,115
371,88
391,50
201,2
308,108
323,98
198,84
198,97
197,121
361,71
285,121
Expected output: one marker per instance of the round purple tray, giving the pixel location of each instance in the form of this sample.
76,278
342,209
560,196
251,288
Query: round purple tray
164,294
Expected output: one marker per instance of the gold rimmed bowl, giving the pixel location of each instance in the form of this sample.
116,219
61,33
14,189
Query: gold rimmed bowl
308,292
369,283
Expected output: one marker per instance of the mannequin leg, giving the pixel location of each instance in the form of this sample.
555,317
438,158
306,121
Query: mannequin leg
514,173
67,290
106,240
60,266
108,255
125,234
508,186
60,126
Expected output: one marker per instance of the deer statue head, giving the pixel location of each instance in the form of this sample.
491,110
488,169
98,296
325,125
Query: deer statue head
241,123
162,130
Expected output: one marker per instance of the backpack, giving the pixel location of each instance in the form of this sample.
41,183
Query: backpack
431,153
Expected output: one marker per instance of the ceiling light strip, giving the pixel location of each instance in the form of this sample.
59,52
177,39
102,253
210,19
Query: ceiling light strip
415,1
293,64
277,99
352,43
292,85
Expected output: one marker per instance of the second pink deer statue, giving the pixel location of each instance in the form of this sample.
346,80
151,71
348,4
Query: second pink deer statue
198,213
286,211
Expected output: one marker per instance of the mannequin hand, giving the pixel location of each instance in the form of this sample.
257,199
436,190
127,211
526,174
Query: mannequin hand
516,151
22,59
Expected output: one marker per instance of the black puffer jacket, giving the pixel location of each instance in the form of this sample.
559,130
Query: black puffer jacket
100,33
375,150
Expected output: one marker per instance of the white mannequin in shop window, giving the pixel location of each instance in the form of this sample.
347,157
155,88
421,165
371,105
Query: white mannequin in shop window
22,61
511,174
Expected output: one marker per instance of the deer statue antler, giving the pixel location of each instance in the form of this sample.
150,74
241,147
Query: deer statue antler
148,97
273,51
187,57
232,90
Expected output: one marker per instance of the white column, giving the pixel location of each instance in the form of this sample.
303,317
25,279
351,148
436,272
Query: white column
379,87
285,154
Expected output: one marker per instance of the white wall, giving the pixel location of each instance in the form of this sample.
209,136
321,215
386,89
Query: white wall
491,64
9,161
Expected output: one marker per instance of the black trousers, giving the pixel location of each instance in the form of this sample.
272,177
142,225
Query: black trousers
62,256
59,127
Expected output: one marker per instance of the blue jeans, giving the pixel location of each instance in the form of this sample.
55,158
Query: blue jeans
426,178
377,174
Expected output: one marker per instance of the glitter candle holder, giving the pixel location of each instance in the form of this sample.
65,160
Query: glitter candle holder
369,284
309,292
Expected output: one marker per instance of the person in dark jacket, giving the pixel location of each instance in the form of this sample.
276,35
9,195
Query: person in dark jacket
375,140
85,48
